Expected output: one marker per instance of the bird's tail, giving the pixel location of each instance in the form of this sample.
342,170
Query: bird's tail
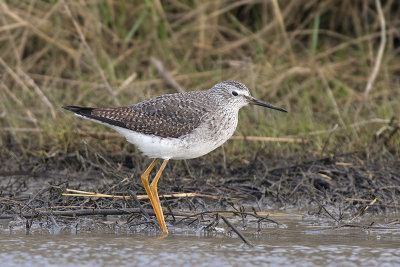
98,115
84,111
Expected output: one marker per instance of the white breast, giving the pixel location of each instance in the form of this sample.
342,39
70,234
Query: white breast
154,146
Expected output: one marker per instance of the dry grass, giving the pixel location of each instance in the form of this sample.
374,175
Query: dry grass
315,58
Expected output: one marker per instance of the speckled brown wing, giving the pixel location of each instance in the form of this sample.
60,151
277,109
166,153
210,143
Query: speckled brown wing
128,118
171,115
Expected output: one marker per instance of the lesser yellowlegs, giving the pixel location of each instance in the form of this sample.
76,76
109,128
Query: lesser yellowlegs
176,126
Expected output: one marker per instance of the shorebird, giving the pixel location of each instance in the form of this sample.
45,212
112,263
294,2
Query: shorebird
176,126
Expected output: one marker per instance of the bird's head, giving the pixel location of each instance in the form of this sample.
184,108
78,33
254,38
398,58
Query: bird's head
237,95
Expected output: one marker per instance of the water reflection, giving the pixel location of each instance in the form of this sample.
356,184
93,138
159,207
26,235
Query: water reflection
297,244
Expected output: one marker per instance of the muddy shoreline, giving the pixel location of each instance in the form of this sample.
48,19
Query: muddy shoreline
342,188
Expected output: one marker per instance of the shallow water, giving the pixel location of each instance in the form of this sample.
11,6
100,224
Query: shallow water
300,242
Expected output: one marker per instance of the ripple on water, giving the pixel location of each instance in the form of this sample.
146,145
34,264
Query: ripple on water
296,244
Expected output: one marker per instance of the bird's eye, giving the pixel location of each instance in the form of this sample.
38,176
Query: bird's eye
234,93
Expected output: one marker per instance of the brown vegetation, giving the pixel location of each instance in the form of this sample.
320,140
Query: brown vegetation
333,64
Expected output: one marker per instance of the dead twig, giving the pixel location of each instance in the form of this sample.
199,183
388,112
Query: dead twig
23,205
245,240
280,19
330,95
327,212
165,75
348,225
268,139
137,202
87,212
378,59
54,221
259,215
92,56
38,91
79,193
353,125
364,210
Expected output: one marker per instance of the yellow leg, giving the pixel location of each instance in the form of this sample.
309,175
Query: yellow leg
145,181
156,200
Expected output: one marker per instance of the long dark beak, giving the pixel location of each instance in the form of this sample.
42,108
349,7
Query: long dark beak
254,101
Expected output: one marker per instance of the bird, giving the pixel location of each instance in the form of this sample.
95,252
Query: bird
176,126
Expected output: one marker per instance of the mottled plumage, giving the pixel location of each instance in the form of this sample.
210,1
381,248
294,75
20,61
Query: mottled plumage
176,126
168,116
